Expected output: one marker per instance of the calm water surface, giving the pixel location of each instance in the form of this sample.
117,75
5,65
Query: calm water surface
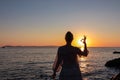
35,63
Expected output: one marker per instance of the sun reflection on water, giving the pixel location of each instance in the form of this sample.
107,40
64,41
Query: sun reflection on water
82,58
83,64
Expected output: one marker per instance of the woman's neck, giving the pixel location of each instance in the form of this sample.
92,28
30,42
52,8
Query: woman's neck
69,44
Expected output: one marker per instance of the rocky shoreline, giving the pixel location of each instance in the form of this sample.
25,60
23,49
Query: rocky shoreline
115,63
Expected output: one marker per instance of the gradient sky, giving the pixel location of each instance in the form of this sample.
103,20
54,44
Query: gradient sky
45,22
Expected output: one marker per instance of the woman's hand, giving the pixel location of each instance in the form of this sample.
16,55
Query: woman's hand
84,39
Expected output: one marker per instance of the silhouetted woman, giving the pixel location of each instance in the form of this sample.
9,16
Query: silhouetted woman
67,58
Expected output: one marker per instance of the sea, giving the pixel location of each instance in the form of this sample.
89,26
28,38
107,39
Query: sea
35,63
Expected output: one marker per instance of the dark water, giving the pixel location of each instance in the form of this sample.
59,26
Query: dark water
35,63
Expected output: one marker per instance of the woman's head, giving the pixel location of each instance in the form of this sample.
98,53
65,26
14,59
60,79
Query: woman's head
69,37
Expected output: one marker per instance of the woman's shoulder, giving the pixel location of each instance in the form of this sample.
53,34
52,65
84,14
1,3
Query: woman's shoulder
70,47
61,47
76,47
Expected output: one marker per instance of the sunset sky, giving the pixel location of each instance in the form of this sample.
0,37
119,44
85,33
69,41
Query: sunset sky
45,22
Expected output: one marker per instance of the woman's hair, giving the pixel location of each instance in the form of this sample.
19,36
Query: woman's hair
69,37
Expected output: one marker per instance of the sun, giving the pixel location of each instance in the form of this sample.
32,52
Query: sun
79,43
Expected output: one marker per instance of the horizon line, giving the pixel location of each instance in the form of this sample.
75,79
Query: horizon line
51,46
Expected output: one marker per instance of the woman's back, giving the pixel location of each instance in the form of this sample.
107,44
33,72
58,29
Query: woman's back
68,55
70,67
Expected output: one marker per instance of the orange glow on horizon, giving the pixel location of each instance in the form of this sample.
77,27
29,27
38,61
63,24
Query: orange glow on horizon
92,41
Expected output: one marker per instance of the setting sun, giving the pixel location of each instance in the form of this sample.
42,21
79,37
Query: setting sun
79,43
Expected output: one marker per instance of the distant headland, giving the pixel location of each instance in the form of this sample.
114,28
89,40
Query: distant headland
9,46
